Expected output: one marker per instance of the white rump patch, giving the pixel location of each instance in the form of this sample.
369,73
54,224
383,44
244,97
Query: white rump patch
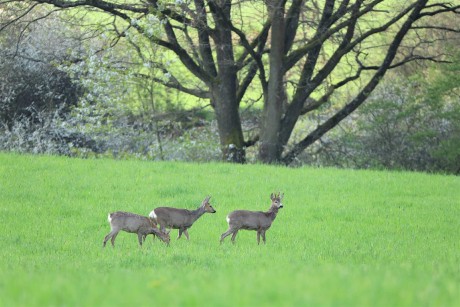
152,215
109,218
228,219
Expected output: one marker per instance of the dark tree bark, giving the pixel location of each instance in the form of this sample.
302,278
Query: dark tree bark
269,148
224,87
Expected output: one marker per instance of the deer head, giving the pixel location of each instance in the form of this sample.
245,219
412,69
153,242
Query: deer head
207,206
276,200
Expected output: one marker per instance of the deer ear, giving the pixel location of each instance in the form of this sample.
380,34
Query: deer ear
271,196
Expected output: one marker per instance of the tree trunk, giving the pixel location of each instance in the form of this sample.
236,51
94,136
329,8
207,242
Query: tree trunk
270,149
229,124
224,92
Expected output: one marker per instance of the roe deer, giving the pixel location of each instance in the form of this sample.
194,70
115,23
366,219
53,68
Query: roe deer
253,220
181,219
133,223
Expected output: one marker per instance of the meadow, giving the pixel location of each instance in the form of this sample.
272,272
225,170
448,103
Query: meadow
344,237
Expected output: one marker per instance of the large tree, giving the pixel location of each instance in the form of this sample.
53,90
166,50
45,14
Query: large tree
296,53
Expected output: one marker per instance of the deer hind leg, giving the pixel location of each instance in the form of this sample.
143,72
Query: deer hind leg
108,236
141,237
225,234
114,236
258,236
180,233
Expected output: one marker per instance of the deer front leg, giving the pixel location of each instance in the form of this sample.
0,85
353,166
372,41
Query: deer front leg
107,237
263,235
140,237
186,234
180,233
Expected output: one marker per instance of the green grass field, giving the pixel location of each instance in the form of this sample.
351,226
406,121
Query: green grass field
347,238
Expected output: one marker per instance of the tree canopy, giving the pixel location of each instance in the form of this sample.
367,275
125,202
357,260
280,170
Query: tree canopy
297,54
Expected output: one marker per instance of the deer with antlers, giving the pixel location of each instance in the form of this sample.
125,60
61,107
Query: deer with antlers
253,220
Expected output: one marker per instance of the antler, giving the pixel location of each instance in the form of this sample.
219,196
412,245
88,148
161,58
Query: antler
274,195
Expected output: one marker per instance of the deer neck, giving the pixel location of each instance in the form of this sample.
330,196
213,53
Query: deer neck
195,214
272,212
153,231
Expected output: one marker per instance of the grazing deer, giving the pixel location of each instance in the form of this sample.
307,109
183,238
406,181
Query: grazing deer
133,223
253,220
181,219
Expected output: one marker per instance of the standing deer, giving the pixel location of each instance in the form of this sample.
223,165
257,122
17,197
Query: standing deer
133,223
253,220
181,219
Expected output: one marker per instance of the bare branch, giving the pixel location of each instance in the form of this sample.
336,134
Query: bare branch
313,104
307,84
26,12
173,14
443,8
203,39
258,42
192,45
324,34
100,4
445,29
173,83
244,42
361,97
